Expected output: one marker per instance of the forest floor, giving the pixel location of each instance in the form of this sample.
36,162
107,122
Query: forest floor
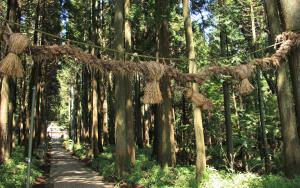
66,171
42,181
147,173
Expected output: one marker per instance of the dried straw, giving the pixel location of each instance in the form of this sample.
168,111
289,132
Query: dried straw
244,71
11,65
245,87
153,73
17,43
198,99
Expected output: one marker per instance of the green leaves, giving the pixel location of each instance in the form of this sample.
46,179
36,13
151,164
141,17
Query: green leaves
13,172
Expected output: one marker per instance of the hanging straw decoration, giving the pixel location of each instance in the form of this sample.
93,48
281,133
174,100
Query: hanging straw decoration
153,73
243,72
198,99
245,87
11,64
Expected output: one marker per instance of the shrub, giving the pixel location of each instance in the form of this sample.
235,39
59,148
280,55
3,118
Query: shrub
13,172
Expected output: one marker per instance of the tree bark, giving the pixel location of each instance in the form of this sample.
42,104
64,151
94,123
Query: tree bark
138,116
34,77
6,107
43,124
291,22
262,135
288,113
101,98
125,151
95,116
84,104
227,107
198,125
4,144
166,141
291,148
263,139
111,109
228,124
130,136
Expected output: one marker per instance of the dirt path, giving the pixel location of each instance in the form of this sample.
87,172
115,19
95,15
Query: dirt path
68,172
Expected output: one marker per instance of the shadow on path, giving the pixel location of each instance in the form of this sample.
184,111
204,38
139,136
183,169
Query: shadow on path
66,171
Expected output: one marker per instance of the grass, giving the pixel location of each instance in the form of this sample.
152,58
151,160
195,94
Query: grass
148,173
13,172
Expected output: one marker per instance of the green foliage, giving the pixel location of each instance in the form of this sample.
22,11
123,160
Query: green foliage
67,76
223,179
104,163
81,151
3,9
148,173
273,181
68,144
13,172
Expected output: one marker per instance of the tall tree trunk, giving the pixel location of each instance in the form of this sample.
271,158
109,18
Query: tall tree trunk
43,124
73,114
37,128
22,115
95,91
6,107
154,110
164,114
146,124
104,111
111,108
130,136
226,92
263,140
77,109
100,113
198,126
228,124
138,115
291,148
124,149
12,112
288,114
291,22
4,144
84,104
262,135
95,116
34,77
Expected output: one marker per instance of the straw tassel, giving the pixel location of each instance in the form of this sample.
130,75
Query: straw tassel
198,99
245,87
11,64
243,72
153,73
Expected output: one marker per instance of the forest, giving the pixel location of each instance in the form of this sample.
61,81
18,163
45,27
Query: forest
156,93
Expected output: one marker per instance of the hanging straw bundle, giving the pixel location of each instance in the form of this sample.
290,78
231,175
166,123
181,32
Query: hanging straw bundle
153,73
11,65
243,72
198,99
245,87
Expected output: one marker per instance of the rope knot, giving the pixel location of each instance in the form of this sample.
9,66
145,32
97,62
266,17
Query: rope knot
11,65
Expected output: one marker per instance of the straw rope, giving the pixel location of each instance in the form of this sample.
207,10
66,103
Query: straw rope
153,70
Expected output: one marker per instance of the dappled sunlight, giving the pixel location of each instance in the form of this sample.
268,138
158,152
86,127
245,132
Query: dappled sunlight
66,171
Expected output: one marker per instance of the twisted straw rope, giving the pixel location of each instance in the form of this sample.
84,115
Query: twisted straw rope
289,40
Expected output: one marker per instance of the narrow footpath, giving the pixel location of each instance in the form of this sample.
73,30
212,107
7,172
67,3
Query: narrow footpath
68,172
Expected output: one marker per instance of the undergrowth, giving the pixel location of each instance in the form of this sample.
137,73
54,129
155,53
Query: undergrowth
148,173
13,172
